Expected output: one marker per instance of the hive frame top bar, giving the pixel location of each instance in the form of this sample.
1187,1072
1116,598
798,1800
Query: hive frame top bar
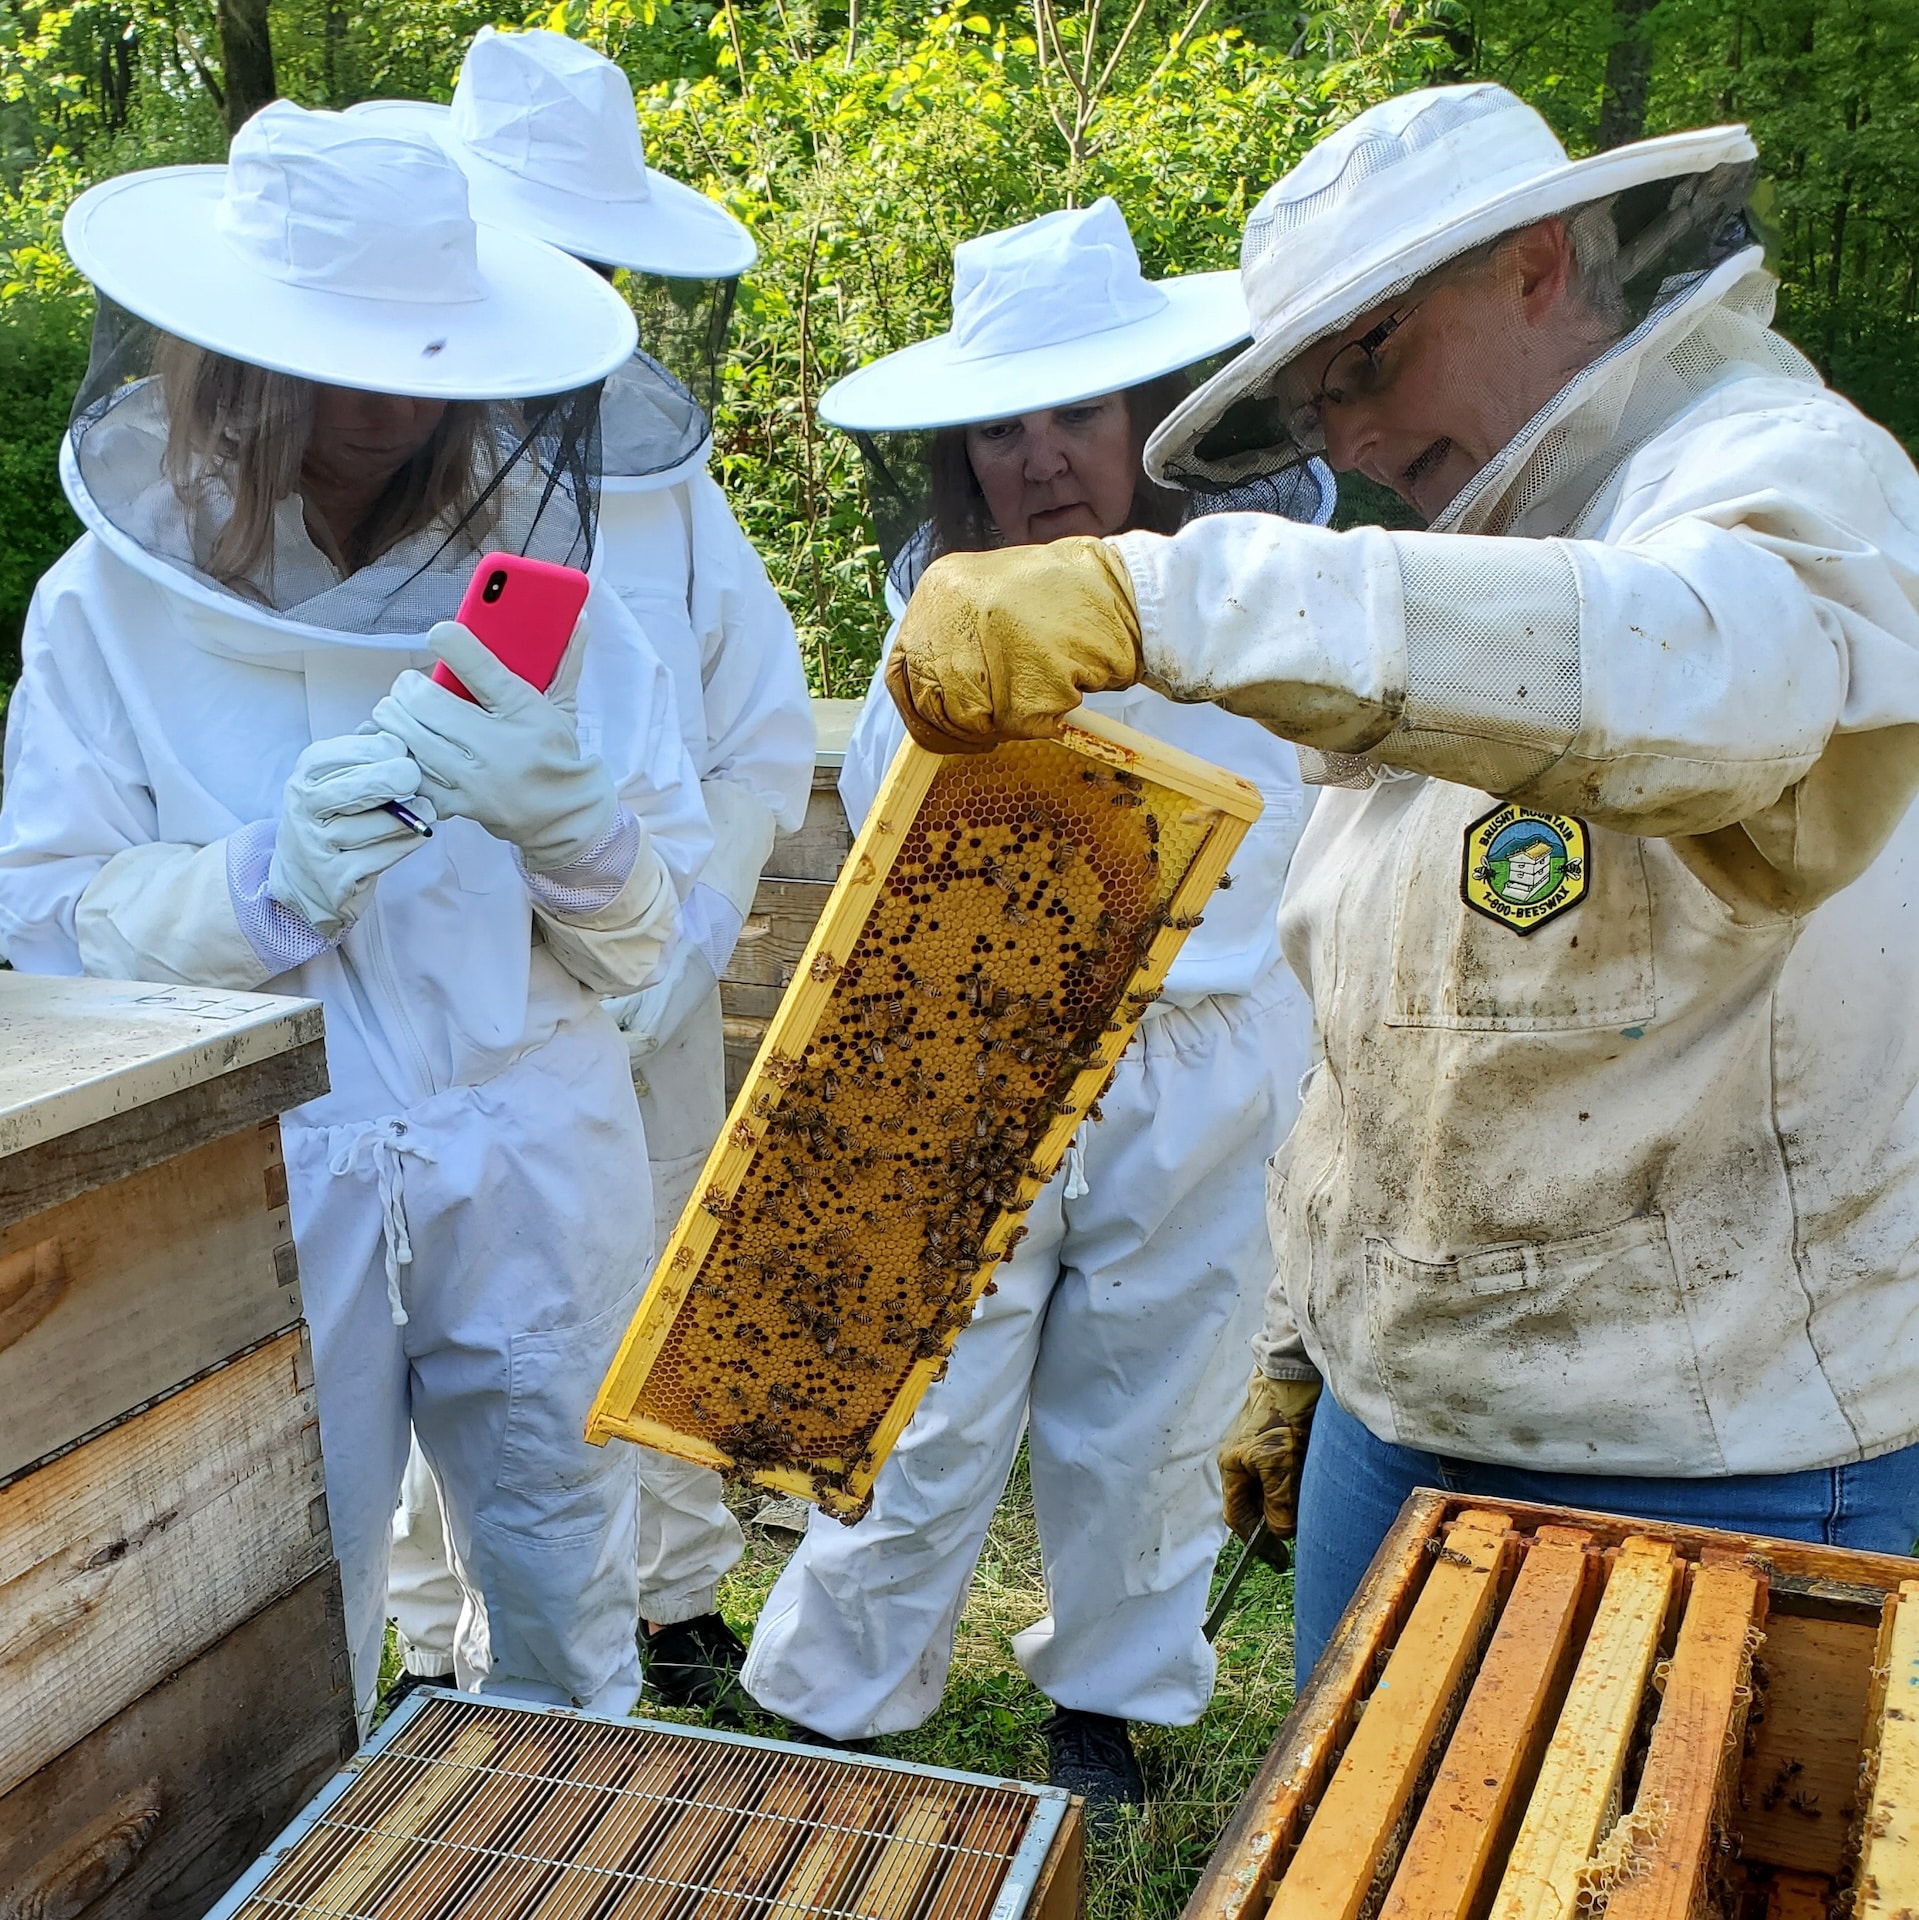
1215,808
1022,1872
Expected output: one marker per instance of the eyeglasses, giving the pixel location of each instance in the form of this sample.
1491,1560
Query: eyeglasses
1355,372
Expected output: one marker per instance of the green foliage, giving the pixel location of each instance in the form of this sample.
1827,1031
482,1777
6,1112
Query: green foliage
862,139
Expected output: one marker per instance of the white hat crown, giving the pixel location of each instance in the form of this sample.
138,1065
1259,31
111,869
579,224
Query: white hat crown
1063,277
1402,167
323,201
552,111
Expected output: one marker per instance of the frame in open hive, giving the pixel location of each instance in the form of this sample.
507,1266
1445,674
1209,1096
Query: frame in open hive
1002,922
1530,1713
496,1810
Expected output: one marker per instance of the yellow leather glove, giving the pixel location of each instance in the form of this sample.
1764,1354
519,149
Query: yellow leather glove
998,646
1264,1453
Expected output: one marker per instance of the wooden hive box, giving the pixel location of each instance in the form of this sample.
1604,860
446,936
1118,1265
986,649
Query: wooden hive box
1533,1713
459,1806
173,1672
795,885
1003,922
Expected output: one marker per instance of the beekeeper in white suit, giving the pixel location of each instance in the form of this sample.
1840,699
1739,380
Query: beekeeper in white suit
1118,1333
302,425
1606,1191
546,131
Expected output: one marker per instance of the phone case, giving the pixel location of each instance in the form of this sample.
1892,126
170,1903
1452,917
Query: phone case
523,612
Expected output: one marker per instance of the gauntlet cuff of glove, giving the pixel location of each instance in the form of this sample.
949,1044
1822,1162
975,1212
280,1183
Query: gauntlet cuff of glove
164,912
590,884
282,937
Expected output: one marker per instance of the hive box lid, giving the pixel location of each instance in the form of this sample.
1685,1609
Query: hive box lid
74,1053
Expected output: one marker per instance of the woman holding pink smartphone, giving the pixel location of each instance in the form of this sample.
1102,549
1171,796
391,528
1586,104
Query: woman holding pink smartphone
313,409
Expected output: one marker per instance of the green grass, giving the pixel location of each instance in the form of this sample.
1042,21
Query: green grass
1143,1868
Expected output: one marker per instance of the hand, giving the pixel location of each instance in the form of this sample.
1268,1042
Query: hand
335,837
1264,1453
509,757
1001,646
655,1014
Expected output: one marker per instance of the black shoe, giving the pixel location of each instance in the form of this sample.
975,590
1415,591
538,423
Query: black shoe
1091,1754
801,1736
406,1683
696,1663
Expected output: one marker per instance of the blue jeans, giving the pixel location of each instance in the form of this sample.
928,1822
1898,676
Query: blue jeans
1355,1484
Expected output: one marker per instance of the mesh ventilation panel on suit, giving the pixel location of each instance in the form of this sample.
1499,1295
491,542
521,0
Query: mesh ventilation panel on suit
1001,924
492,1811
198,460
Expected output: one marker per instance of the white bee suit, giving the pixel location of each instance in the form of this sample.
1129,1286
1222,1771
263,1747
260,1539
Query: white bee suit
1118,1333
473,1168
673,553
1636,1191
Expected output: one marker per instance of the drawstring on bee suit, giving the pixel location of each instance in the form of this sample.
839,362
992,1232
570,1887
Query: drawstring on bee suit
1077,1187
384,1144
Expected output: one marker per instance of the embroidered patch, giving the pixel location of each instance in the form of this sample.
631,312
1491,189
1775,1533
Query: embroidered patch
1523,868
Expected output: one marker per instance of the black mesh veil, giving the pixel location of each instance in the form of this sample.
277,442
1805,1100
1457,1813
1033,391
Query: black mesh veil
207,464
1659,239
899,495
683,326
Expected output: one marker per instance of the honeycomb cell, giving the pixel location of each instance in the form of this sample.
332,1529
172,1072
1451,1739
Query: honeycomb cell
976,1000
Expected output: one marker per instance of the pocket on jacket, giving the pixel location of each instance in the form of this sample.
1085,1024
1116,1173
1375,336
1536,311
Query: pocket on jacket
552,1380
1573,1355
1591,967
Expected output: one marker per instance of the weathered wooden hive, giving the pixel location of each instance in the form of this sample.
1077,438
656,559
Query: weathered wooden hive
1535,1714
1002,922
173,1663
496,1811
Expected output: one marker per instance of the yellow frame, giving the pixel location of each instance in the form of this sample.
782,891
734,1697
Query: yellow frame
1237,803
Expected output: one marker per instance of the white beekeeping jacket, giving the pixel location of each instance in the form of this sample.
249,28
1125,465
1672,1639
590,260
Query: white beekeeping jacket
1620,1172
155,708
673,552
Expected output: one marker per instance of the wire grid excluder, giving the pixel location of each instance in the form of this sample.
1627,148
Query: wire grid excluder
1001,924
499,1811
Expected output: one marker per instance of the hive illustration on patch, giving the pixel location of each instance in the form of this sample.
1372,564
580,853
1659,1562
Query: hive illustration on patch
1000,926
1524,868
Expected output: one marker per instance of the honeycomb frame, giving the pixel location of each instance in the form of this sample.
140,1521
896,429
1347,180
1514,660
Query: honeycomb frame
780,1334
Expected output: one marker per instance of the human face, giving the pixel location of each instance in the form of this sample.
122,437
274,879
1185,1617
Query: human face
359,441
1421,393
1059,471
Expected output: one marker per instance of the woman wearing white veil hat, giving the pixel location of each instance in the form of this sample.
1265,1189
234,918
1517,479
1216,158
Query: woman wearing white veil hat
546,133
315,401
1115,1335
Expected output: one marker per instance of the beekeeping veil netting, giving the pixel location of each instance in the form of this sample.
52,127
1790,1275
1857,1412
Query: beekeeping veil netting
683,327
899,494
206,464
1639,253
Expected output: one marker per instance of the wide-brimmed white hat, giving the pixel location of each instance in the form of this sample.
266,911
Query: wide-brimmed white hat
547,133
1393,195
1044,314
339,252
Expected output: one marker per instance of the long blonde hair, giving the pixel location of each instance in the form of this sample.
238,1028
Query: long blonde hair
246,429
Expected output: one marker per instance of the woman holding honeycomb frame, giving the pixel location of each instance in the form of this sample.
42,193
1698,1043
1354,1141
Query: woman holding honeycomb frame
1118,1332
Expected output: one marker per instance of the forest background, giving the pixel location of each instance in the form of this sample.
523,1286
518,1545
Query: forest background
860,140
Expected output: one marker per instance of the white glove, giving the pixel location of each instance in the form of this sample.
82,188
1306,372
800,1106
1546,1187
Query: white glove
509,757
655,1014
334,836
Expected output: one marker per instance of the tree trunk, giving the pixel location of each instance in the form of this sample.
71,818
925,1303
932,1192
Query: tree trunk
246,54
1622,108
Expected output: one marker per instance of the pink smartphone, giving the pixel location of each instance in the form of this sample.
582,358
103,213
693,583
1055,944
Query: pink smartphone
523,612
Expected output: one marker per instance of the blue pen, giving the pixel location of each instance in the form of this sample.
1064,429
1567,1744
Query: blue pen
407,819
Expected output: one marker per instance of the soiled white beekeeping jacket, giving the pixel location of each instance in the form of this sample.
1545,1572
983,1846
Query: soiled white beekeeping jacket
673,552
1636,1190
157,711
